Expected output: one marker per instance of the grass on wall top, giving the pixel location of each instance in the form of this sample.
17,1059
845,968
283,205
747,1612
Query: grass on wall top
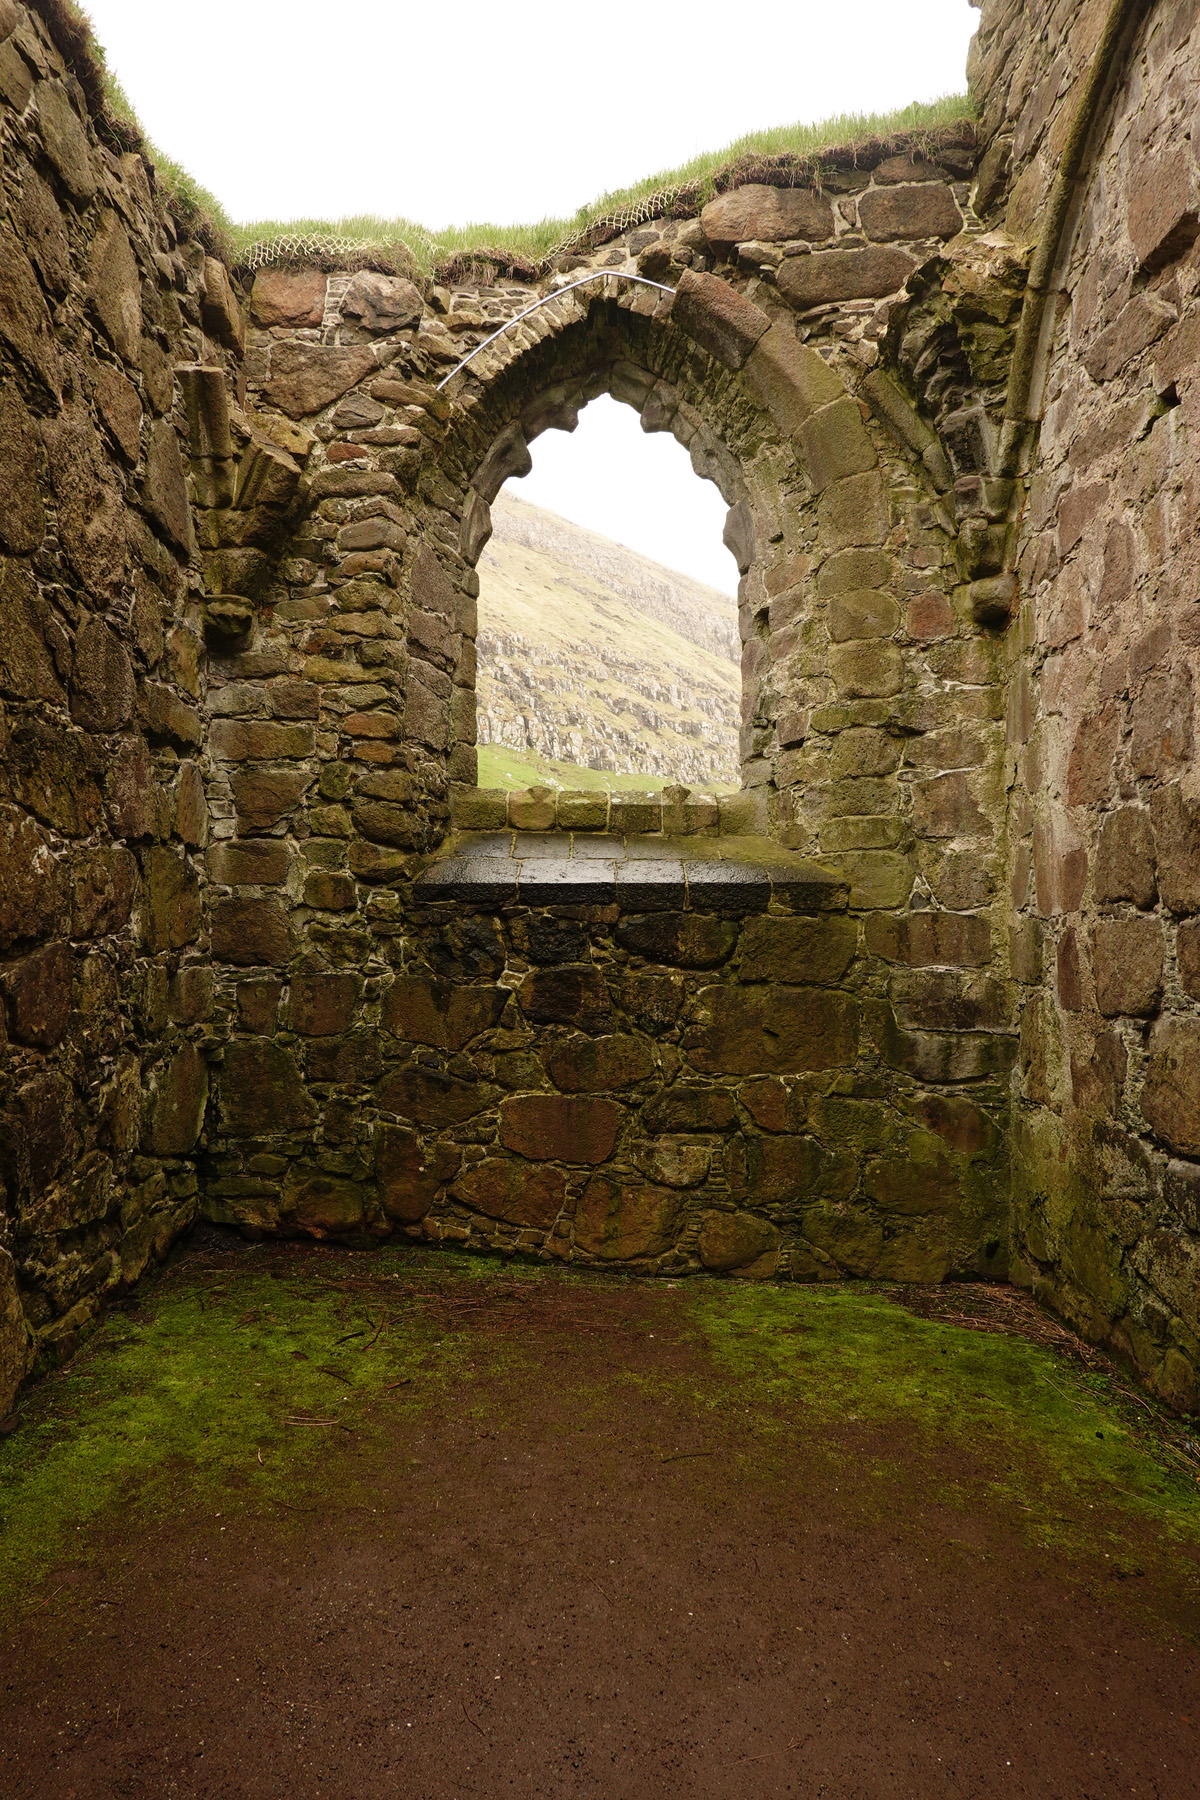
521,250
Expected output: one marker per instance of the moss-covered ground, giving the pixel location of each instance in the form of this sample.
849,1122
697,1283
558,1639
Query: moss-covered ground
230,1378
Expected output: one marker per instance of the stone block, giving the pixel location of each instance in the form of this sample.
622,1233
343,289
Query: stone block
408,1175
1124,868
785,1172
65,140
1176,824
717,317
937,1057
625,1221
258,1005
771,1030
423,1010
431,1097
220,309
867,669
599,1065
633,814
729,1241
946,807
38,995
247,932
926,209
16,1347
22,516
1161,208
583,810
862,613
25,323
353,1060
262,862
322,1005
853,513
1140,323
1171,1095
262,1091
27,669
765,215
164,490
568,994
512,1192
190,998
265,796
679,939
287,297
685,1108
381,303
329,891
828,276
1127,956
478,809
1187,951
798,950
789,379
171,913
931,939
1162,736
878,878
836,443
307,377
260,740
559,1128
674,1164
175,1104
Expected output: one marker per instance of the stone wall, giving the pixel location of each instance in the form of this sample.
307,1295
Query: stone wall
268,949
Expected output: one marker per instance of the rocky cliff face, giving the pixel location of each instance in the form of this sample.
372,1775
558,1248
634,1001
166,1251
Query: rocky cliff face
592,654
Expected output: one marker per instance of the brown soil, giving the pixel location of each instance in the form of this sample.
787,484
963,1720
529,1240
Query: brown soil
522,1596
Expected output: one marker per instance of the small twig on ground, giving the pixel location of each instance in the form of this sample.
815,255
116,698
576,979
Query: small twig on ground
404,1381
470,1720
595,1584
348,1335
686,1455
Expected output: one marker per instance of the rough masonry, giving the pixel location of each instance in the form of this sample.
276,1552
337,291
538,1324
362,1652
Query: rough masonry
922,1000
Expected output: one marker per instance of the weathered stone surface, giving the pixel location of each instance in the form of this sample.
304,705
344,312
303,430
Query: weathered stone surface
426,1011
1162,736
24,317
53,773
262,1090
91,523
408,1175
740,1031
512,1192
828,276
115,288
33,887
1171,1096
926,939
730,1240
262,862
306,377
170,903
836,443
175,1104
1161,208
38,993
925,209
22,516
220,309
1176,824
682,940
27,670
870,669
284,297
798,950
247,740
921,1178
103,886
598,1065
431,1097
121,409
853,512
862,613
321,1205
1125,858
264,796
65,140
620,1221
101,678
566,995
245,932
1140,323
765,215
44,232
16,1350
1127,956
789,378
381,302
1187,950
717,317
320,1005
691,1109
784,1172
674,1164
559,1128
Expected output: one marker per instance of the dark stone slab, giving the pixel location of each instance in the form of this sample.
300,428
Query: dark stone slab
807,888
482,880
651,886
554,845
730,889
543,882
600,847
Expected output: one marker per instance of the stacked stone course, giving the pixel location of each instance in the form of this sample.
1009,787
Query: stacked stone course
921,1000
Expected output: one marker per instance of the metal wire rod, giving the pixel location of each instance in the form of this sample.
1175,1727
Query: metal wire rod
595,275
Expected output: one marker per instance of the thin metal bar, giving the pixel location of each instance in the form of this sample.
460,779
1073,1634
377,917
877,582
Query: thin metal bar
595,275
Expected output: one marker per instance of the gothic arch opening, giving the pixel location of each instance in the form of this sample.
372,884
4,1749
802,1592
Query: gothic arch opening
608,650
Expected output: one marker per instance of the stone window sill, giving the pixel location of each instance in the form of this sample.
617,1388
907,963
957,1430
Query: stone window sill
729,875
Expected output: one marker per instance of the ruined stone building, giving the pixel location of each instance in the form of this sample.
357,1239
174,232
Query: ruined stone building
922,1000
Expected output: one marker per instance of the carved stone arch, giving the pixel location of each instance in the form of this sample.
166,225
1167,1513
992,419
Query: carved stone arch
762,414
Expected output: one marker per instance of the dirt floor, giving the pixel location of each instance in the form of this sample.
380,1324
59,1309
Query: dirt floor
303,1523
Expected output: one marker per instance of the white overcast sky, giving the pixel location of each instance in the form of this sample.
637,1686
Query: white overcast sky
451,114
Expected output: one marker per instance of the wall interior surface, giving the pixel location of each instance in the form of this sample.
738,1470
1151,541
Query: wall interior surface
922,1000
